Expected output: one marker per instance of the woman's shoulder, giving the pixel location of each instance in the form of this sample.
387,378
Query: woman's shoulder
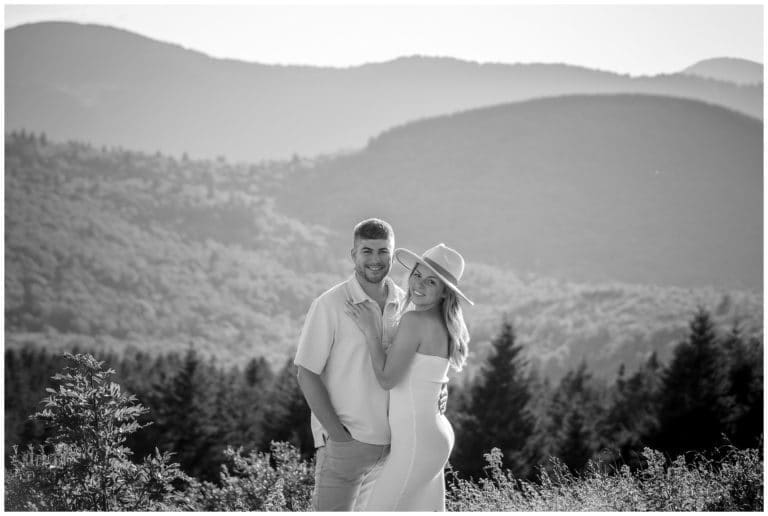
413,320
421,321
410,319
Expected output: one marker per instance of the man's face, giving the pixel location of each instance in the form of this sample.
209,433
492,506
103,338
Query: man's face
373,259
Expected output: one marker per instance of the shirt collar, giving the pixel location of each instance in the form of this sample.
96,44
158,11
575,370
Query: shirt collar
358,295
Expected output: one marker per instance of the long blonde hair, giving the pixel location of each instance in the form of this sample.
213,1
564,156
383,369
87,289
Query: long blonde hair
453,318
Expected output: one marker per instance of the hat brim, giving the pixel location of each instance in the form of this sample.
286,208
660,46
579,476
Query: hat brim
409,260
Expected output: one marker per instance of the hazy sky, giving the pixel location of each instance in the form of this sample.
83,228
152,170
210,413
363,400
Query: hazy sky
644,39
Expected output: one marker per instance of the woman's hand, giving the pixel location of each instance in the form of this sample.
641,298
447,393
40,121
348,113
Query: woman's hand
365,319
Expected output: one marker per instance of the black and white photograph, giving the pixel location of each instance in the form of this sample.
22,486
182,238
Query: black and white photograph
384,256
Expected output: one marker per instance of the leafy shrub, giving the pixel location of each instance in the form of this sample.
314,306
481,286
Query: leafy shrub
83,465
279,481
733,483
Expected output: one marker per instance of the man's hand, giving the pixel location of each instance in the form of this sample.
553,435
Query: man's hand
442,400
341,437
320,402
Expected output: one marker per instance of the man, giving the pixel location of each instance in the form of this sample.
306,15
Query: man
349,407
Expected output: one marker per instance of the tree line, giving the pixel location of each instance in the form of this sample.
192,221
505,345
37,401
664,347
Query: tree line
709,394
84,464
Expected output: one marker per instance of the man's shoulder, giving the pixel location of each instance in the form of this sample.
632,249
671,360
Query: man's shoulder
334,294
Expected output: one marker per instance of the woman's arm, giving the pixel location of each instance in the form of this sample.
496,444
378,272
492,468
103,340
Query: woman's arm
389,368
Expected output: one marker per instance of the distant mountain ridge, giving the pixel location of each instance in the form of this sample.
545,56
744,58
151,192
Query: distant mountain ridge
738,71
633,188
113,87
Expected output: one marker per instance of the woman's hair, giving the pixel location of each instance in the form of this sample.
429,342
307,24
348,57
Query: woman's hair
457,330
453,317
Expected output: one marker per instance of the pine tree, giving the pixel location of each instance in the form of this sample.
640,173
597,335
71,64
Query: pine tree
258,373
632,418
575,440
695,404
252,390
184,411
498,414
286,413
574,421
745,381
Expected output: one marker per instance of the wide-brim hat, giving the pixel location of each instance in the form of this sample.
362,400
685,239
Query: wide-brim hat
446,263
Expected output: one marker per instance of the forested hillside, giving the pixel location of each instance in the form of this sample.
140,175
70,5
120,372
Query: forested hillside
113,249
630,188
127,248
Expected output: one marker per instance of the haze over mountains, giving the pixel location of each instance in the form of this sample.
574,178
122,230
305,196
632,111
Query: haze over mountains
632,188
109,86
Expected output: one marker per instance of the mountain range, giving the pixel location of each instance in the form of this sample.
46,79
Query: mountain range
113,87
632,188
595,210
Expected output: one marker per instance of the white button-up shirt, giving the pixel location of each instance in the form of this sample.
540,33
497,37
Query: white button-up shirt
332,346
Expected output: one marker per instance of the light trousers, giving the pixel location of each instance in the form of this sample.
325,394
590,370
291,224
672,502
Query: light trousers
345,473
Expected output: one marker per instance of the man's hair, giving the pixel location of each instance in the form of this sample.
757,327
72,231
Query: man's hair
373,229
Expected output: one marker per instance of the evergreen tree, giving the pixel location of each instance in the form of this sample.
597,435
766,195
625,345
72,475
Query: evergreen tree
745,381
633,416
695,404
498,414
286,413
258,373
251,392
575,418
575,440
184,412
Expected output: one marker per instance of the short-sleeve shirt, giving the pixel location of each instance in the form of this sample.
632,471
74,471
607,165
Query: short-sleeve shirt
332,346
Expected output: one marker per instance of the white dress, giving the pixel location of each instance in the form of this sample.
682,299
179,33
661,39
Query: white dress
422,439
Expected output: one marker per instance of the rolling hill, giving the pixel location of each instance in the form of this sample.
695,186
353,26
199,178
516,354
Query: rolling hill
118,249
113,87
738,71
630,188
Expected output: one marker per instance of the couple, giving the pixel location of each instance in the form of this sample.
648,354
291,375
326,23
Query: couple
372,363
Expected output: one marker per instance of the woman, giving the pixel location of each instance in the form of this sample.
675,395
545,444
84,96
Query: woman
431,336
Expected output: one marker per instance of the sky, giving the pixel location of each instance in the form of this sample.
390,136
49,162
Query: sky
631,39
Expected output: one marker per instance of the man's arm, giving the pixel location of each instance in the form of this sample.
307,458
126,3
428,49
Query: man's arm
319,401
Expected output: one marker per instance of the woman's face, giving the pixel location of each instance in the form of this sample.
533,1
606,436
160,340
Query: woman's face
425,288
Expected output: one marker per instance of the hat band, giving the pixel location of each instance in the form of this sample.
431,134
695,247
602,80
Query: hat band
439,268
